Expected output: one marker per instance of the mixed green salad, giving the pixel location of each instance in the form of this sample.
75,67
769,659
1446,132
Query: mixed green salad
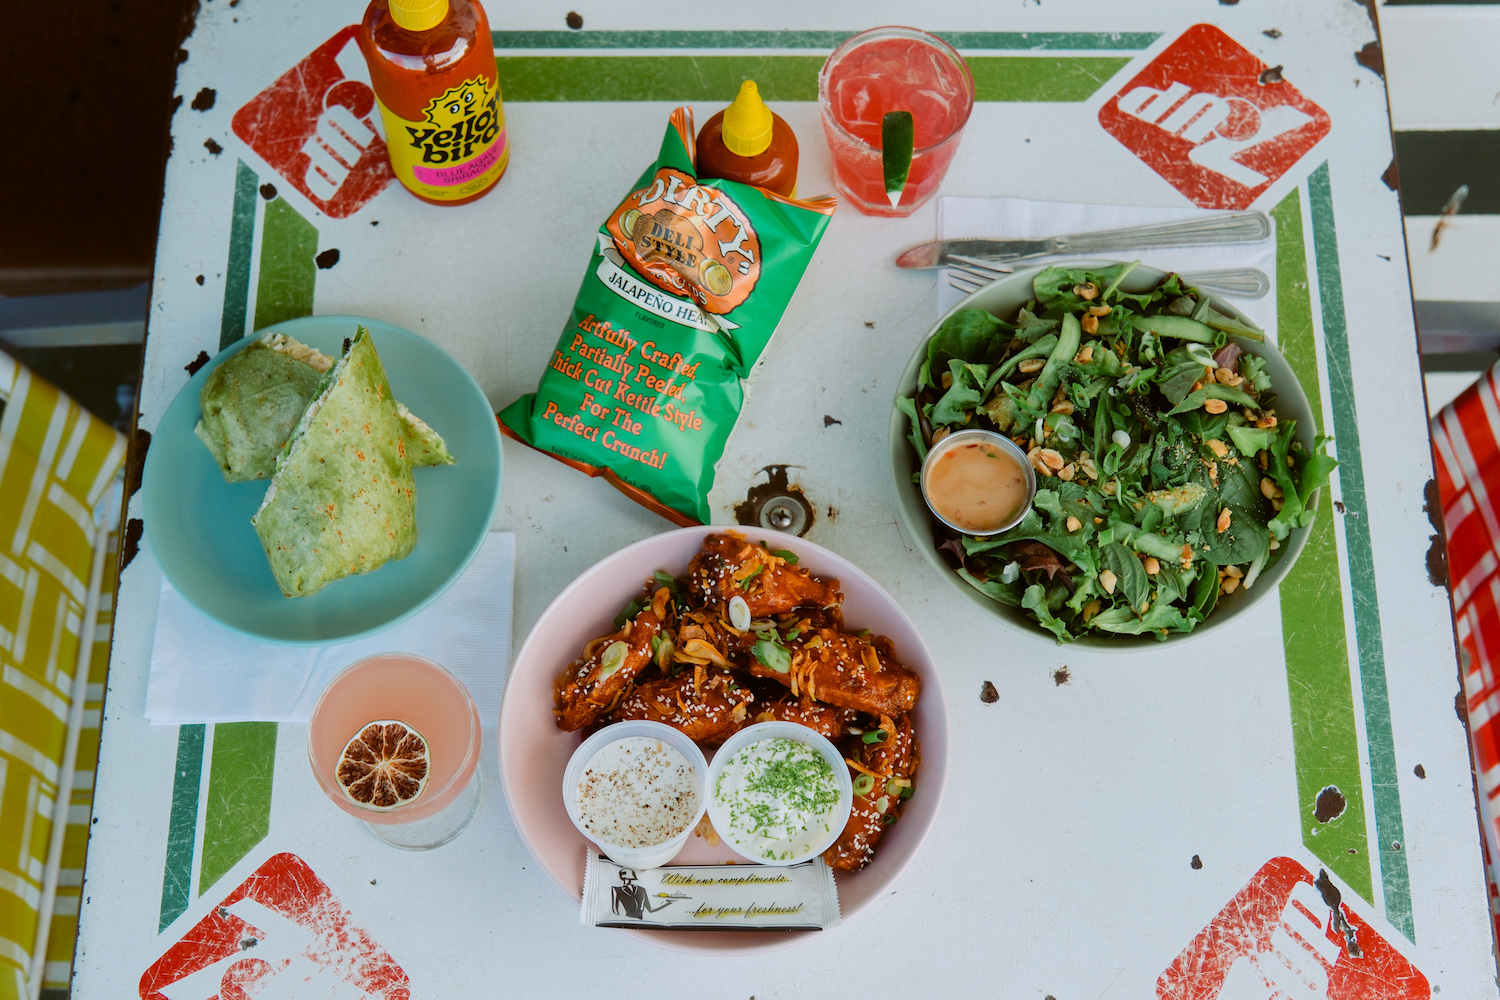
1165,477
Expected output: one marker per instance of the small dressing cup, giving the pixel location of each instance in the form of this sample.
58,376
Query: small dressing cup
965,438
652,855
719,814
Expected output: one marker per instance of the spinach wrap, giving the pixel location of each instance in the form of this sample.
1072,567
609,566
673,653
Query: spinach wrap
342,500
254,400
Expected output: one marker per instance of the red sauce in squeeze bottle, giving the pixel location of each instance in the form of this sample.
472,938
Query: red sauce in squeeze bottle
432,66
747,142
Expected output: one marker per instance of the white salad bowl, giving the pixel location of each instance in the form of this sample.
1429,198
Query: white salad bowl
1004,298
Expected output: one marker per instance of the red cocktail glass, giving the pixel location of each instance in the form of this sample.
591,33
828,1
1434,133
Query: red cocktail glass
893,69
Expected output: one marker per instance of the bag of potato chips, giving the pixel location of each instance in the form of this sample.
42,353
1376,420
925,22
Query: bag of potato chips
686,286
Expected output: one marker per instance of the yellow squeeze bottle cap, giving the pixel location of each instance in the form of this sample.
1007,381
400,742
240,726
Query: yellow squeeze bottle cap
418,15
747,123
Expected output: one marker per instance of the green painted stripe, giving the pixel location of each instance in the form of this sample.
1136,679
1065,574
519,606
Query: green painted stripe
237,271
177,879
656,78
1014,41
1381,743
288,273
1043,78
779,78
1325,740
239,796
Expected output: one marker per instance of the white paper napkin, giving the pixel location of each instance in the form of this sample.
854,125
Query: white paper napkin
1017,218
204,672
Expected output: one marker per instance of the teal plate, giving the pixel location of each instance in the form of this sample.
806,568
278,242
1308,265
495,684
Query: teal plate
199,525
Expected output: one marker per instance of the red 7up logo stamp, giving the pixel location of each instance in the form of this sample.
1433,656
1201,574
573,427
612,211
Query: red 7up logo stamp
1213,120
1289,936
317,127
284,933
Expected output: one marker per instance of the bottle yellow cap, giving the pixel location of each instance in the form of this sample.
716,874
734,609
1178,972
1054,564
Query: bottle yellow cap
419,15
747,123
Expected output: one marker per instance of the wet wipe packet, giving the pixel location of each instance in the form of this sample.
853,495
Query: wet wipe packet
800,897
687,283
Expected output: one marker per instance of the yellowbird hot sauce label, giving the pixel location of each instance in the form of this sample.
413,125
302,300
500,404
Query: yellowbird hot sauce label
684,289
458,149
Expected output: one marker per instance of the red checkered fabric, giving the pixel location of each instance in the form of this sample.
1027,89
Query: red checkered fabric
1466,436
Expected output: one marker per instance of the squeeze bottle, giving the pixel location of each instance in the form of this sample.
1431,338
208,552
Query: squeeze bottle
748,142
432,66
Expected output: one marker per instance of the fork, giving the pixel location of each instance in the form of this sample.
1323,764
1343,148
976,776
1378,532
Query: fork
971,274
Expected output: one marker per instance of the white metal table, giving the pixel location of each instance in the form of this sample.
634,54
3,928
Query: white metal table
1106,808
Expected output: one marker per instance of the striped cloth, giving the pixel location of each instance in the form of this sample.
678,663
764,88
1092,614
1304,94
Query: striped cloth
56,464
1466,437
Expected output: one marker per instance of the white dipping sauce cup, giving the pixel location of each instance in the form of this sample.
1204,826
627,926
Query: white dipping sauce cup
719,816
635,857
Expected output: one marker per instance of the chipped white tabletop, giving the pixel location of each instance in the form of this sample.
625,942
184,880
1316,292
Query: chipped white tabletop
1113,824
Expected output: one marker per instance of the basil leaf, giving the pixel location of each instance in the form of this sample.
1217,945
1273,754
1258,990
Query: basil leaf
1035,600
1130,576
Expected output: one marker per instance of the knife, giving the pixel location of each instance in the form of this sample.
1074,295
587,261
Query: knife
1233,227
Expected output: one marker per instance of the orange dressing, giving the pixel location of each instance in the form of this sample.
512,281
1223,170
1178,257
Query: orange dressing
976,487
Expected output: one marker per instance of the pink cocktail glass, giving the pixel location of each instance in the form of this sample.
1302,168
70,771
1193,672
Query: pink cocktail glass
418,692
893,69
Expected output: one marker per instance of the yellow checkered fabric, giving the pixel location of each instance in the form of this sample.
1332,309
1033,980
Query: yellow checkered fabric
56,462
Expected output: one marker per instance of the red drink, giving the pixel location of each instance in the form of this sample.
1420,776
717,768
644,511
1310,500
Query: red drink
893,69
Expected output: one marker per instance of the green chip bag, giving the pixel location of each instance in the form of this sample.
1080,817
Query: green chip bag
687,283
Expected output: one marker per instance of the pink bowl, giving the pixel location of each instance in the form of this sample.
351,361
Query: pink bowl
534,752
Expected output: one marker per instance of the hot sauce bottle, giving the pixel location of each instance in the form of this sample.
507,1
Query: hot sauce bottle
749,143
432,65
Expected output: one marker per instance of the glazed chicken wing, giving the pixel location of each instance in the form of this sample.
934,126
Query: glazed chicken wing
885,775
848,671
590,686
825,720
706,703
727,566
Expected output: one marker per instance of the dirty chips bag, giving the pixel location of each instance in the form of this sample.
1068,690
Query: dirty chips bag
687,284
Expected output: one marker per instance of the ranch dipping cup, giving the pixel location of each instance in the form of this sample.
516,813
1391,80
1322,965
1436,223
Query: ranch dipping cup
609,784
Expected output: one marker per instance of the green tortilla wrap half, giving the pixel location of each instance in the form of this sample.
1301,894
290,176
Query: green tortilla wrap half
342,500
253,401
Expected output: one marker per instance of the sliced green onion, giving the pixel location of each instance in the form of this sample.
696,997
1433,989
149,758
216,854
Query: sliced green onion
614,657
888,820
863,784
628,614
739,613
875,736
664,652
773,654
745,583
882,804
789,556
